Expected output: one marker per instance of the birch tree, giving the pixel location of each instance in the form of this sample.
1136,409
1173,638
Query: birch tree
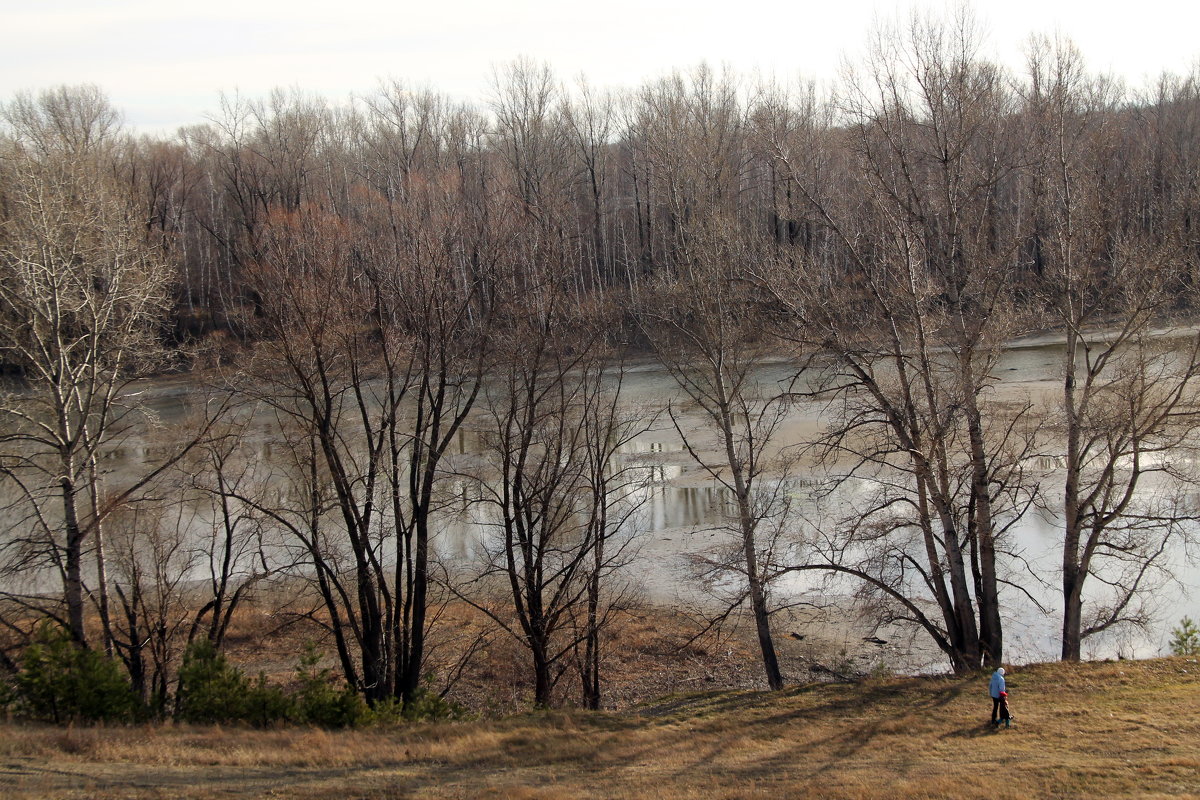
82,302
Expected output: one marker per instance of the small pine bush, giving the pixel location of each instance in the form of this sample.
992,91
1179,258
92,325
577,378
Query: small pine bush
1185,639
265,704
427,705
60,681
211,690
8,697
319,701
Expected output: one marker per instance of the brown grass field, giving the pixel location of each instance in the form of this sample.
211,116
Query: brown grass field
1114,729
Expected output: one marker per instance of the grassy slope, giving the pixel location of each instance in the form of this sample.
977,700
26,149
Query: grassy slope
1124,729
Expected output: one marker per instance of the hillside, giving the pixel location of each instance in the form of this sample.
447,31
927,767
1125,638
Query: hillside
1114,729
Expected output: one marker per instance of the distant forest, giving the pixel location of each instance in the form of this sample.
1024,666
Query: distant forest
606,184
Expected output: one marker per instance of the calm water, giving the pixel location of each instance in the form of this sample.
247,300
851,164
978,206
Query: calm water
681,512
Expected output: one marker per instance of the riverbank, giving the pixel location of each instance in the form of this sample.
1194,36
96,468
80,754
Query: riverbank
649,651
1110,729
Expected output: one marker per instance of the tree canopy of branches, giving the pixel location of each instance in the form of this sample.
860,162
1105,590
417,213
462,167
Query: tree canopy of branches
1128,404
381,276
83,298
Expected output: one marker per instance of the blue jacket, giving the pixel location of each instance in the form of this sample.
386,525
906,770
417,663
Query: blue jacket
997,684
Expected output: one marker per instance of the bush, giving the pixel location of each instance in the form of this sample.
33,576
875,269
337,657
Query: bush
1185,640
211,690
319,701
265,704
8,697
427,705
61,681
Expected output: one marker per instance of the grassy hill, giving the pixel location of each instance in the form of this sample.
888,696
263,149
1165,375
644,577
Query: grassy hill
1117,729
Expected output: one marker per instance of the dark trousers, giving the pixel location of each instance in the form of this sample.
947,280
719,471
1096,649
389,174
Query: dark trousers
999,708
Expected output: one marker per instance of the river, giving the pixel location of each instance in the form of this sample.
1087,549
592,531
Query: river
680,516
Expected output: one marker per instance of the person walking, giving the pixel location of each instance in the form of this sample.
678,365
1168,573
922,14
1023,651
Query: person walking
998,690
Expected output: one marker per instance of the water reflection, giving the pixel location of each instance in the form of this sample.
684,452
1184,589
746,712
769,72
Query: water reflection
680,512
687,506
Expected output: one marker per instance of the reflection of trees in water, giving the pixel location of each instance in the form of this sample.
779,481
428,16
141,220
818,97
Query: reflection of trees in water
461,530
688,506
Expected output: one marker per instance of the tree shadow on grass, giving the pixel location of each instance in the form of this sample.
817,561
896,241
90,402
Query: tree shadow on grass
974,731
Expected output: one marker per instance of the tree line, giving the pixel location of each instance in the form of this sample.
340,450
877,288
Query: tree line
384,277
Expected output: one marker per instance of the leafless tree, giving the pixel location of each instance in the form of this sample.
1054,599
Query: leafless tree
616,487
708,324
152,560
550,489
82,296
914,307
375,336
1127,406
229,537
710,332
591,125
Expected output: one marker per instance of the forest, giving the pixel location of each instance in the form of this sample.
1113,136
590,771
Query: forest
383,276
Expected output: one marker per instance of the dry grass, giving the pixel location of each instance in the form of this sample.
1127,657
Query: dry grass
1123,729
649,651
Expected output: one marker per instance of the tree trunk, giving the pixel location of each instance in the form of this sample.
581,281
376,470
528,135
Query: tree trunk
542,679
1072,617
410,680
101,563
1072,579
766,644
73,556
991,633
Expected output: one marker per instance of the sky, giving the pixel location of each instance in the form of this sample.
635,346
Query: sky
166,64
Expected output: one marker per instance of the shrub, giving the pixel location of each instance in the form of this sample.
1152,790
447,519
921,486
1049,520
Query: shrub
62,681
1185,639
211,690
265,704
319,701
8,697
429,705
426,705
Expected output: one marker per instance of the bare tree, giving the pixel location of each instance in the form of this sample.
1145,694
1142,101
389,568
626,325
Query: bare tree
709,330
914,302
615,488
1128,396
707,323
316,369
82,299
445,240
375,335
590,122
230,536
549,488
152,560
551,420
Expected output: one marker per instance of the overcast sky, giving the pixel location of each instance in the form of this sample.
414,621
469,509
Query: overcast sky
166,63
